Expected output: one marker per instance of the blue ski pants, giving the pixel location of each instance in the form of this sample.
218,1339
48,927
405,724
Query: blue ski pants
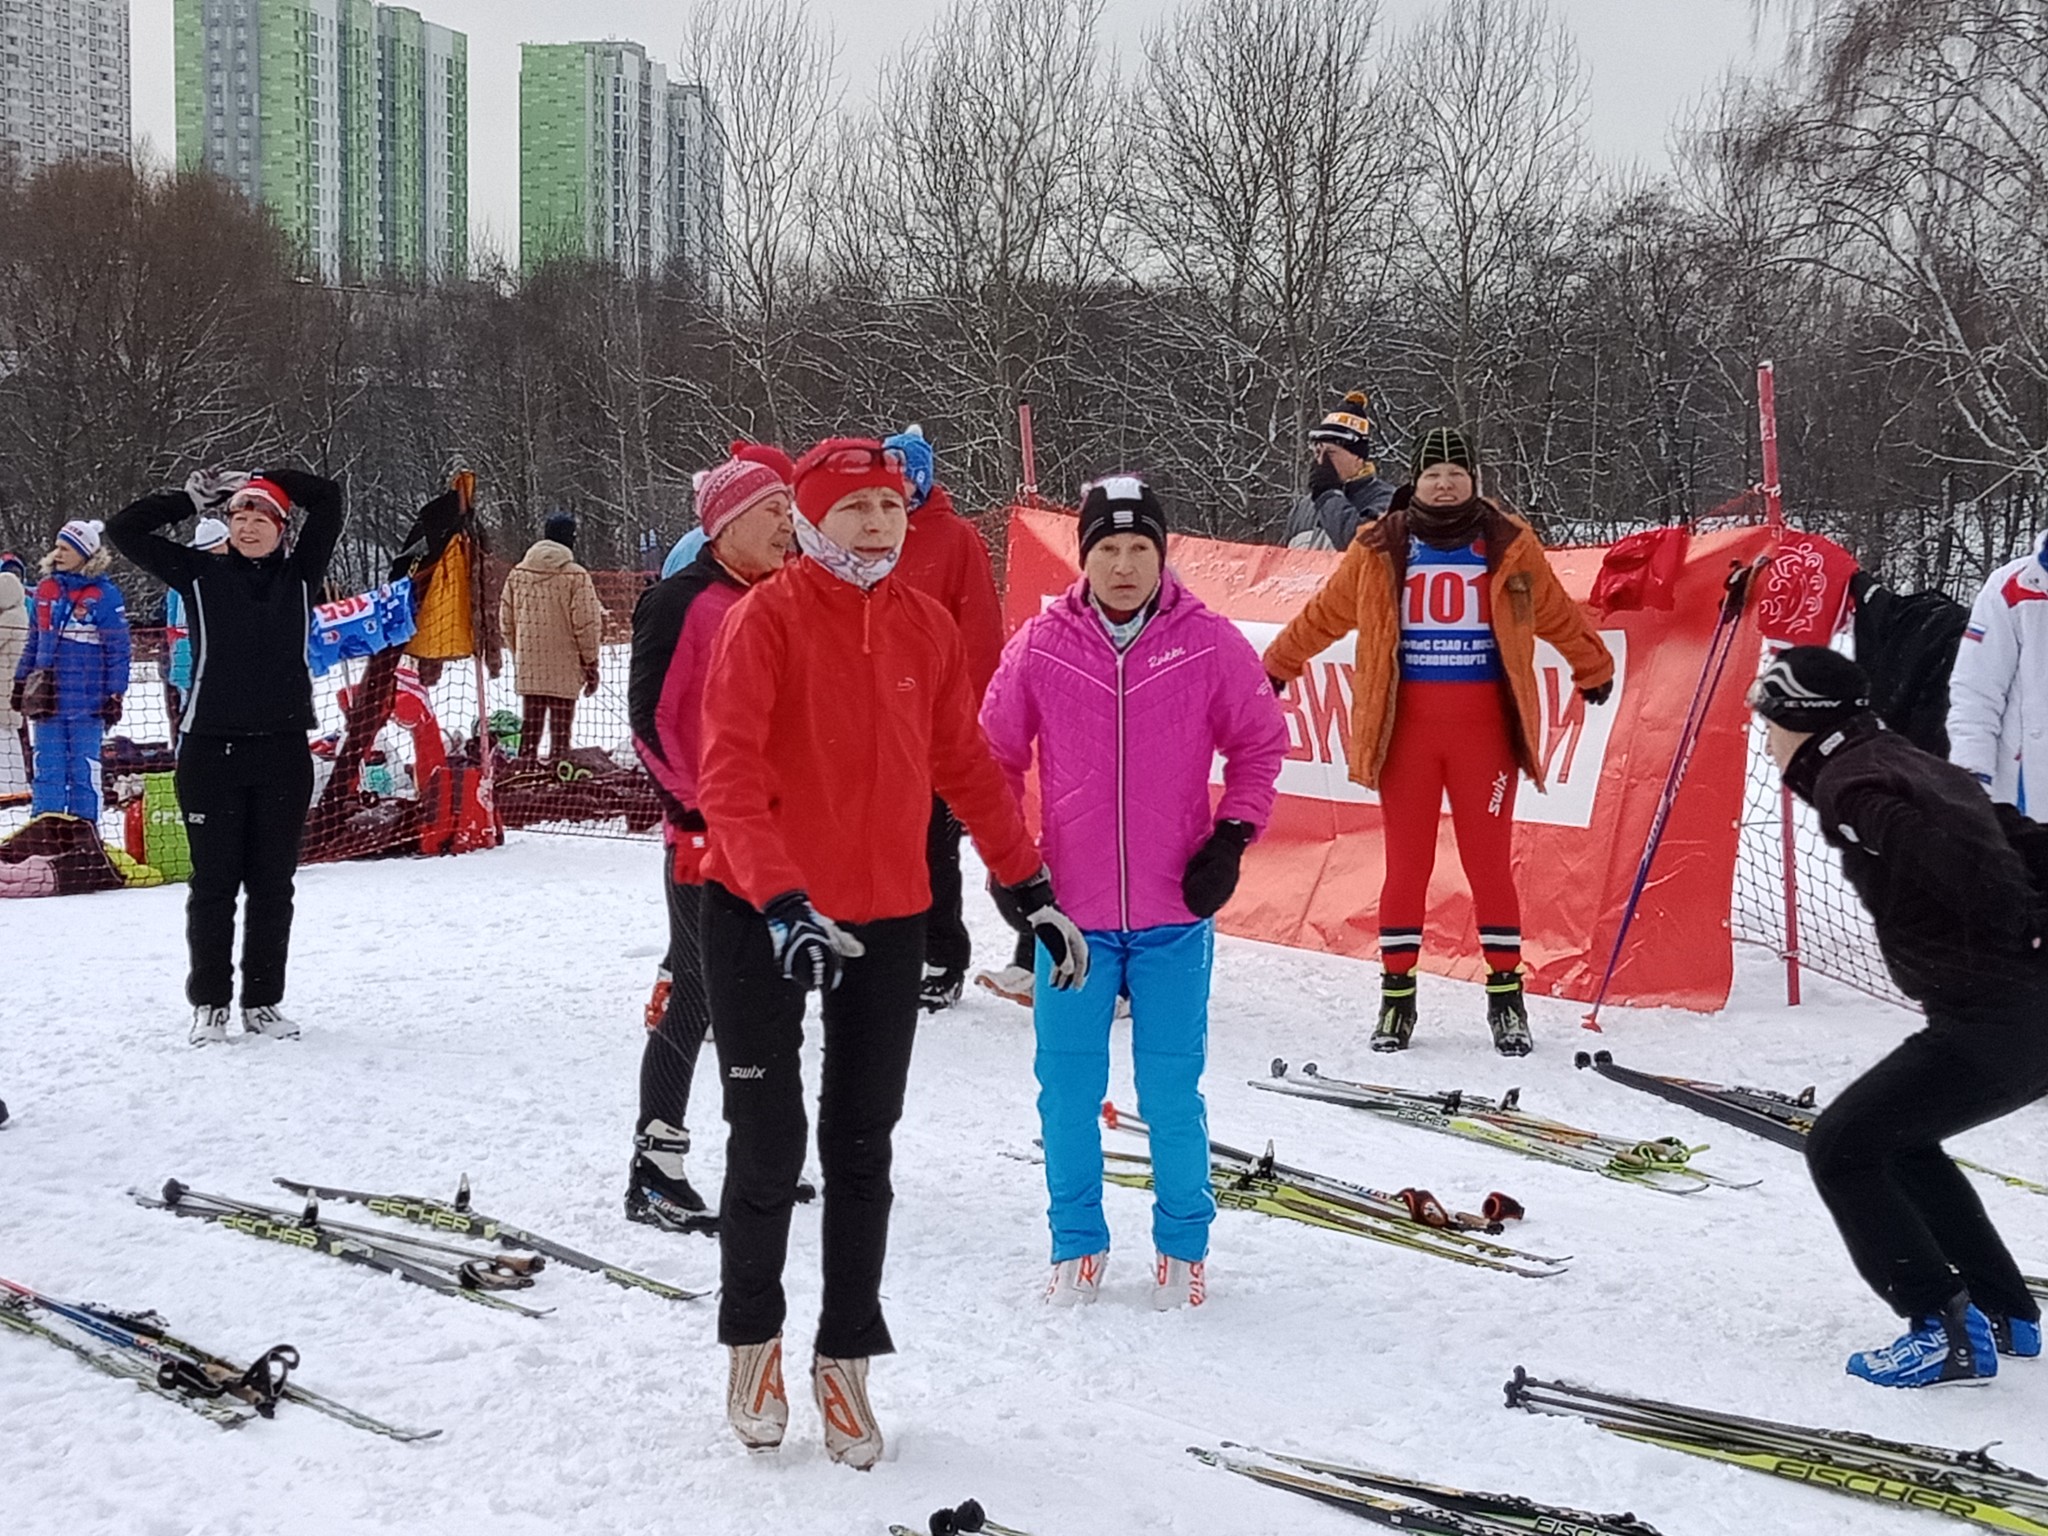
1165,973
68,765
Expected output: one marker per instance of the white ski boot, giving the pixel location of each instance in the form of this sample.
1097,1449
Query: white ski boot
209,1026
1177,1283
852,1437
755,1404
268,1022
1077,1282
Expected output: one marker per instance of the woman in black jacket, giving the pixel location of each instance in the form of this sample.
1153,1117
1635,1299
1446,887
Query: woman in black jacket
245,773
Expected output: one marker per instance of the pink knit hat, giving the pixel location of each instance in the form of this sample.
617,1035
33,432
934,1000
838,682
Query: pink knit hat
726,490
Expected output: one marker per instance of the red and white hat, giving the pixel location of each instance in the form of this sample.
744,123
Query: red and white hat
265,496
841,466
743,481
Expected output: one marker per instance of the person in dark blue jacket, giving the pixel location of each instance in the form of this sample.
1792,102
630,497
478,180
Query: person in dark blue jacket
73,671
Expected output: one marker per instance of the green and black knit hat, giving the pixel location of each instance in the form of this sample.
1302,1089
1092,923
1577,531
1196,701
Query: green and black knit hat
1442,445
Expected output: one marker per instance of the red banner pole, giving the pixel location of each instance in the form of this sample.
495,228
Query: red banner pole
1774,516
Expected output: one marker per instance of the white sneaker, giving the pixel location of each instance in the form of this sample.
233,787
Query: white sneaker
1177,1283
1077,1282
755,1405
852,1437
269,1022
209,1026
1012,982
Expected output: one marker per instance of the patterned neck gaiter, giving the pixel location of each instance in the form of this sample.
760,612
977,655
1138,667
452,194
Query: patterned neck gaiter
857,570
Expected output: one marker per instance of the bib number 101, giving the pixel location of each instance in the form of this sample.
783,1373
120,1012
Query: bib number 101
1450,598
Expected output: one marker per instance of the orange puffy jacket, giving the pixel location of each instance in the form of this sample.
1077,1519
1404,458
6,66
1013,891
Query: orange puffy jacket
831,717
1362,594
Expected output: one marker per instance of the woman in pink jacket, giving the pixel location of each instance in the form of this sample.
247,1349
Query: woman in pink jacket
1127,688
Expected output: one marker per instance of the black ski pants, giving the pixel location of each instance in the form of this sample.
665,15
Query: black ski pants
1914,1225
244,800
669,1063
870,1025
946,945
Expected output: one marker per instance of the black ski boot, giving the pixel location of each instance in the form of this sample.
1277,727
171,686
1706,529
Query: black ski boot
941,989
1506,1015
657,1191
1397,1012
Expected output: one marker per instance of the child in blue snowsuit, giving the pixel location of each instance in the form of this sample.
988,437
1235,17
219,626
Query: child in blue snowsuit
78,633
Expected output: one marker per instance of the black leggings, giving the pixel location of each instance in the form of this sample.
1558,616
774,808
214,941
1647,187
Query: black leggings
669,1063
870,1026
1914,1225
244,800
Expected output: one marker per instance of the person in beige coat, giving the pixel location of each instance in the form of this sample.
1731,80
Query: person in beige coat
552,623
14,788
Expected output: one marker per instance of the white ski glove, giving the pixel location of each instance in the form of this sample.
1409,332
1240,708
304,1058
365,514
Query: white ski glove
211,489
1030,902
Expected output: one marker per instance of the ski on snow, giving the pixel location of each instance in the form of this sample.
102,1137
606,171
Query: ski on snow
1776,1117
19,1316
458,1218
1967,1485
196,1373
1371,1493
967,1518
306,1231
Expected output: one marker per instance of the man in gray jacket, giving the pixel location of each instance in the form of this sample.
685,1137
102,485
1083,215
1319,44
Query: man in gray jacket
1344,487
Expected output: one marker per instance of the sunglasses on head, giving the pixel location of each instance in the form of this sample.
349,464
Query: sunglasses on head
852,461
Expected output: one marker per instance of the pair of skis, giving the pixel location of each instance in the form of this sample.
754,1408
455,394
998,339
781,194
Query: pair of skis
139,1347
967,1518
1406,1504
1248,1182
1777,1117
1967,1485
481,1276
1663,1164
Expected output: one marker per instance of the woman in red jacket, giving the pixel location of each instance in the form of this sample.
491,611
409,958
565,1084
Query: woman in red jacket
838,703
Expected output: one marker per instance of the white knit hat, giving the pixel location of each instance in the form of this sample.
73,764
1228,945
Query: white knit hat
82,536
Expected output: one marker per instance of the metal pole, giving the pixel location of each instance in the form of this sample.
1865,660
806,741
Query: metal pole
1030,451
1774,516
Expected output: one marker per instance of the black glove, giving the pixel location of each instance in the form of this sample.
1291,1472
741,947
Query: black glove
809,946
1212,873
110,709
1029,904
1599,695
1279,687
1323,476
14,695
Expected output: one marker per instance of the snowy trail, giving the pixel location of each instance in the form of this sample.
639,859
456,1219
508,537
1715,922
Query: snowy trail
481,1015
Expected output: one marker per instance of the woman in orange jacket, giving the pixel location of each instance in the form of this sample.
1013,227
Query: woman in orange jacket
1448,594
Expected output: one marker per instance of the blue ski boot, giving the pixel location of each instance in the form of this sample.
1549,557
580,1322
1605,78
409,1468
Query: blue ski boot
1954,1349
2017,1337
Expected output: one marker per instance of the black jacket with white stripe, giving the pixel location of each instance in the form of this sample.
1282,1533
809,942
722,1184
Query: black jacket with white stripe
249,618
1957,908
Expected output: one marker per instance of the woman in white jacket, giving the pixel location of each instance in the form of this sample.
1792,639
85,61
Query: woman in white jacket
14,786
1998,693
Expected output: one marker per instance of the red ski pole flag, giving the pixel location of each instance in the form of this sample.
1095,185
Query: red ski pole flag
1313,880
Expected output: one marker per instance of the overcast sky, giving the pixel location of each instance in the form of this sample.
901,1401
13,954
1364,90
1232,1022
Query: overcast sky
1646,60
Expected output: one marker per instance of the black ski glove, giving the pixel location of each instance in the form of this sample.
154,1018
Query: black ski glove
810,947
1323,476
1279,685
1211,875
1599,695
1029,904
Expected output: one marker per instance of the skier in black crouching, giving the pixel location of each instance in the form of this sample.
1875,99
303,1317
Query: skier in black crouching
1960,917
245,772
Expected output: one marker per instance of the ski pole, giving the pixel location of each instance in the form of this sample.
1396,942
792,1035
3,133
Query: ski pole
1727,625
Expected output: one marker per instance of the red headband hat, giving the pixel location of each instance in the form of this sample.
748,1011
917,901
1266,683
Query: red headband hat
268,497
841,466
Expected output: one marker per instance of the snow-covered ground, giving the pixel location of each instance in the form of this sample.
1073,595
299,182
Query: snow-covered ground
482,1014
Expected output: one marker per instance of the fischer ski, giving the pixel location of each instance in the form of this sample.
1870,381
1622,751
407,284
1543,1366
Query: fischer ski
1967,1485
457,1217
17,1316
1367,1505
305,1231
1511,1510
1659,1165
191,1368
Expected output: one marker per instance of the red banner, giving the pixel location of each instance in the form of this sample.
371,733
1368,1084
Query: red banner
1313,880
